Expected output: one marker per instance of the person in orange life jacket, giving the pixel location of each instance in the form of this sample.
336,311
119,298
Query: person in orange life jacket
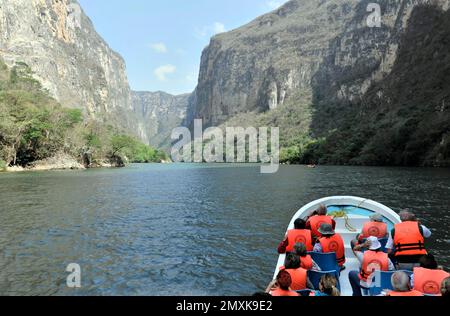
298,234
372,260
306,261
327,287
331,242
317,218
407,242
401,285
428,278
299,275
445,288
282,285
376,227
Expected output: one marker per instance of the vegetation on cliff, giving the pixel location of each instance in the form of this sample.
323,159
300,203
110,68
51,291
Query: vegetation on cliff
34,127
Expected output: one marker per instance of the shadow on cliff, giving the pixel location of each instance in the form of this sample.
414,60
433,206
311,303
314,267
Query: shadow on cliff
404,119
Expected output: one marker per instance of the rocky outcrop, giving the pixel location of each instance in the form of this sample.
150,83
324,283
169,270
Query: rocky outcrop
318,66
161,112
303,47
58,41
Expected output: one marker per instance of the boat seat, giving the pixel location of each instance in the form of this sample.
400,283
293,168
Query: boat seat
326,261
316,276
382,281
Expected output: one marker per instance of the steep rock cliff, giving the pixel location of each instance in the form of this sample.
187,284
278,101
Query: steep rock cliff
58,41
314,67
161,112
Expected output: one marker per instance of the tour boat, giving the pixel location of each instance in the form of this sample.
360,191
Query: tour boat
353,212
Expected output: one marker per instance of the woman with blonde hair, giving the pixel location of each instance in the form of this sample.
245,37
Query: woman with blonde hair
327,287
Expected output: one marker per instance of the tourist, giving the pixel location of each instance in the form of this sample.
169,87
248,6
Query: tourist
372,260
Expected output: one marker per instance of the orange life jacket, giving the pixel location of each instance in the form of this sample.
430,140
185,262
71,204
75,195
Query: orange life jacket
373,261
429,281
410,293
299,277
280,292
335,244
408,240
299,236
375,229
306,262
317,221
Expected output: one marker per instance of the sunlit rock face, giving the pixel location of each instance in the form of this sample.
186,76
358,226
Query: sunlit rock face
161,112
320,49
58,41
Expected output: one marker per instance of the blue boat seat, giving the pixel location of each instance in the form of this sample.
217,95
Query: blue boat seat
316,276
382,281
326,261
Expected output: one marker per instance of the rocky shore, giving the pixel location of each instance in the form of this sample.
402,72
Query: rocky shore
63,162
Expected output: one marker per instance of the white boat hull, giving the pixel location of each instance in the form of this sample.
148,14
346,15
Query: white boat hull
359,212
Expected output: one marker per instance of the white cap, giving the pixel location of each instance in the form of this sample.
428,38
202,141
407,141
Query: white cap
374,243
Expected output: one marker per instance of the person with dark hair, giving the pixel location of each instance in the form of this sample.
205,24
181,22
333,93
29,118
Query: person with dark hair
407,242
428,278
306,261
282,285
296,235
327,287
299,275
317,219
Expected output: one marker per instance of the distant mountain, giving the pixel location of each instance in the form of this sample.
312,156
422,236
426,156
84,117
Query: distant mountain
341,91
162,112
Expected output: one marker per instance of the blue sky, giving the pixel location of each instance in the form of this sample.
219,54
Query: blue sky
162,40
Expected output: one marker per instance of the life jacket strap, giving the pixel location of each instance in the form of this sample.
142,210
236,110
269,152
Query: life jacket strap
406,247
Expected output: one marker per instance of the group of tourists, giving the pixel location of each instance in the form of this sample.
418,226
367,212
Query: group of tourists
404,251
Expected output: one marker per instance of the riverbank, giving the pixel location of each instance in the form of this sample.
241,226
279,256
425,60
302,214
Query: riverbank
67,162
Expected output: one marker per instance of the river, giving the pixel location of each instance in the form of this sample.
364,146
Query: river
182,229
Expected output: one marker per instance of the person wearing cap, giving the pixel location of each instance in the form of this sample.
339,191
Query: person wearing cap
376,227
372,260
282,285
331,242
407,242
317,218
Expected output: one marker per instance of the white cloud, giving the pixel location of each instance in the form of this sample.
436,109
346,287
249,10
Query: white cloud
159,48
219,28
162,71
210,30
275,4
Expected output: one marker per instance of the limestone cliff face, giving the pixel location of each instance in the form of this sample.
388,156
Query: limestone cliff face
306,49
161,112
58,41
